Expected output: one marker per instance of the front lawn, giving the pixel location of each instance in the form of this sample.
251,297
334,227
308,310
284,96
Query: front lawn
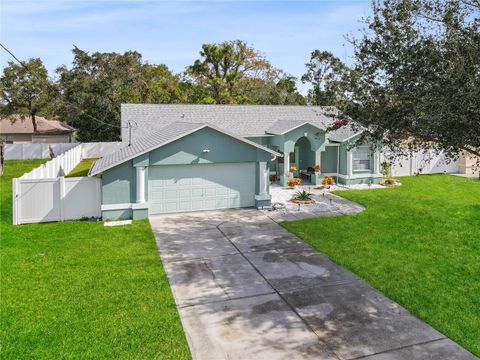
418,243
81,290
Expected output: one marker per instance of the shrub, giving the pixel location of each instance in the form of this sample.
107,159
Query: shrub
303,196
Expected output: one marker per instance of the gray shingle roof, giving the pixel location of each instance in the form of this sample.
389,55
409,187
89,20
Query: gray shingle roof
242,120
282,126
341,134
155,140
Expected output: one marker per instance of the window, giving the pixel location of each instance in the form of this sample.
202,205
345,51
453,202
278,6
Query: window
361,158
8,139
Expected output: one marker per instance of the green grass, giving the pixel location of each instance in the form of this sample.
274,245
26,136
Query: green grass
419,244
82,168
81,290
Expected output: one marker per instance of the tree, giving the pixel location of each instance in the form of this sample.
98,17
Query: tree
26,90
418,67
93,89
328,76
222,68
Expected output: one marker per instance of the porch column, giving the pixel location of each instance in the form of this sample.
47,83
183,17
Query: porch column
376,162
349,163
262,167
286,164
316,178
140,184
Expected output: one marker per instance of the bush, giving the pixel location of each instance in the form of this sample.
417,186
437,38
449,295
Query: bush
303,196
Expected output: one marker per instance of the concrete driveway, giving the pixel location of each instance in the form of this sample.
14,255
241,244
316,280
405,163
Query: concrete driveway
248,289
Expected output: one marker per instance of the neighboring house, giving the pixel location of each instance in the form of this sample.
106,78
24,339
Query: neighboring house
203,157
18,130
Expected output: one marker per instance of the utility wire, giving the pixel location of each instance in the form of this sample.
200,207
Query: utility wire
129,125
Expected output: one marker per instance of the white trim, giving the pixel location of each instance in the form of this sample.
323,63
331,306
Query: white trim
351,137
360,176
124,206
263,197
90,173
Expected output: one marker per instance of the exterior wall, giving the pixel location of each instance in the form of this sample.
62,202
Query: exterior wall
261,140
329,160
119,183
222,148
18,138
51,138
349,176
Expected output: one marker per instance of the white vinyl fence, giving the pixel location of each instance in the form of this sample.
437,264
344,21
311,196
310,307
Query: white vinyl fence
44,194
424,163
35,151
55,199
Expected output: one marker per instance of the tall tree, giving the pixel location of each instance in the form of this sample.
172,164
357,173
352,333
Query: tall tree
223,66
95,86
26,90
328,76
418,67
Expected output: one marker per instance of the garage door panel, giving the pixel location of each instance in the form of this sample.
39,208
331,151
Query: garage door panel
201,187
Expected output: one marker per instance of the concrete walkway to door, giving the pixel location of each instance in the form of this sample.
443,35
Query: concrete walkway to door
246,288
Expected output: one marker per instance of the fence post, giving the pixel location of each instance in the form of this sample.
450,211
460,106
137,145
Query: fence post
16,203
62,196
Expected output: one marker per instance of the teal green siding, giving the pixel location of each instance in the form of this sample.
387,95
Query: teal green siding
118,184
260,140
222,148
117,214
139,214
142,160
306,155
343,159
286,142
329,160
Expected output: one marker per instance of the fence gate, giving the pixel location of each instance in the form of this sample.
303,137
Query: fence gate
55,199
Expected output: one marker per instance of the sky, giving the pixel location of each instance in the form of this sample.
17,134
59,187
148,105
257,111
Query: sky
172,32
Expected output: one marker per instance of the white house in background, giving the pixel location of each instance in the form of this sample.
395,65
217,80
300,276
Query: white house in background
18,130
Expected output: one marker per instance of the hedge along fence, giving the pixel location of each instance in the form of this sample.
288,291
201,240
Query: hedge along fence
44,194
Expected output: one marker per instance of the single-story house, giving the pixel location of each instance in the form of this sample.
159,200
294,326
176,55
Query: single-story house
19,130
180,158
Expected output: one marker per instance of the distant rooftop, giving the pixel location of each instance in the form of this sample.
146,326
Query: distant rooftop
16,124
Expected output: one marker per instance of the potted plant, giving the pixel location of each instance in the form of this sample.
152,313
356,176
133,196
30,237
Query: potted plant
292,182
328,181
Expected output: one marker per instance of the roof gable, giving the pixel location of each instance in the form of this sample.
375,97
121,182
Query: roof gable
157,139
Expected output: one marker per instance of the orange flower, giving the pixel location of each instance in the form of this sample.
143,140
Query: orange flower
328,180
293,182
293,168
317,168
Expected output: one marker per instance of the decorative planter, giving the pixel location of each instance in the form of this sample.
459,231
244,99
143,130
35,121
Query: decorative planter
303,202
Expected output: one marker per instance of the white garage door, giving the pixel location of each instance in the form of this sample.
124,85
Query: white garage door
182,188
